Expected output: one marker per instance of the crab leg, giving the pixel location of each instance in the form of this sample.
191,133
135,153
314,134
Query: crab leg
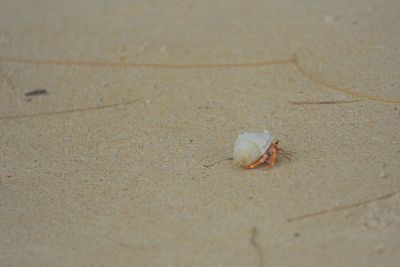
261,160
274,155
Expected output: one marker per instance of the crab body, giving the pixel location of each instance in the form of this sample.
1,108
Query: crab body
253,149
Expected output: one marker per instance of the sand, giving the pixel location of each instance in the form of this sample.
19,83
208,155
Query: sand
125,160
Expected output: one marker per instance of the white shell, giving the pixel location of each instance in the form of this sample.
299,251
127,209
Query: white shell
249,147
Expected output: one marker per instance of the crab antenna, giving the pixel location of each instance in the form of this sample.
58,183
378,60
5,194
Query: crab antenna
284,153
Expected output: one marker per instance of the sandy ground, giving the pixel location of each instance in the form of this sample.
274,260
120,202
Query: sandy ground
125,160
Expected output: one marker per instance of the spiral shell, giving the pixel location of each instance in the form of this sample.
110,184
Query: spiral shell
249,147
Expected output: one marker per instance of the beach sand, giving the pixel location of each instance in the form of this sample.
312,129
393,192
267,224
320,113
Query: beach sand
122,155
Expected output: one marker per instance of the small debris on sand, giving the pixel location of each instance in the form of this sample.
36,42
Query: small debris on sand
37,92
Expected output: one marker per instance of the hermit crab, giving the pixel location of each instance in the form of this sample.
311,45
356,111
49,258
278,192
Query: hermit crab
253,149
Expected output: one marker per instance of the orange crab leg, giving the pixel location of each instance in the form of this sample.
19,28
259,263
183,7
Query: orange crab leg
271,156
261,160
274,155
